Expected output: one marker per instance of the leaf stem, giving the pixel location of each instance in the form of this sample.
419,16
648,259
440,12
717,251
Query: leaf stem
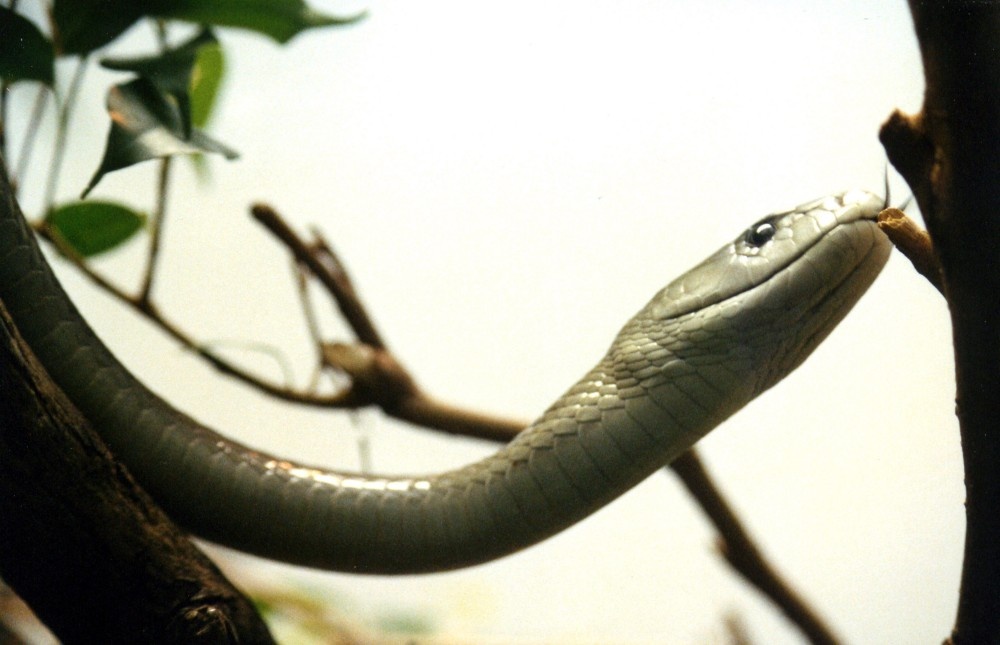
30,136
156,229
151,312
62,132
301,276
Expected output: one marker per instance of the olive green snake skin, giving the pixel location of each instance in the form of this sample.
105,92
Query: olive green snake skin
703,347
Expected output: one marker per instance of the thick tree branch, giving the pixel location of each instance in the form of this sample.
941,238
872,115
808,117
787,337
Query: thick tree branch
91,553
948,154
82,544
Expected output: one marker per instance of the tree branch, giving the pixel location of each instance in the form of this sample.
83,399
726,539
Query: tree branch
738,548
156,231
326,266
948,154
147,308
88,550
913,242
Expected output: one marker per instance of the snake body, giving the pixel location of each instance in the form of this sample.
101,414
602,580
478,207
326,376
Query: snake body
703,347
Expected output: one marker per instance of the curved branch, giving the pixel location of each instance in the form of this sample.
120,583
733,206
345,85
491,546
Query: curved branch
742,554
326,266
149,310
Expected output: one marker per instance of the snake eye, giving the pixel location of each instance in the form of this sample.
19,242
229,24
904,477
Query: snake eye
760,233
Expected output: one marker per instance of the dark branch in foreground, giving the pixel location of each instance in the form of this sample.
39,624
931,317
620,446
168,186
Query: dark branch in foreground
90,552
379,379
948,155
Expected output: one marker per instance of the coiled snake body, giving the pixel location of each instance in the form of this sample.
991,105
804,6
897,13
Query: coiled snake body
702,348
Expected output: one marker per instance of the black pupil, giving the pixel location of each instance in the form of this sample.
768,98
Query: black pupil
760,233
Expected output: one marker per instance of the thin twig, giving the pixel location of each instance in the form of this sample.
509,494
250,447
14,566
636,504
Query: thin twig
342,399
156,229
913,242
266,349
48,234
4,91
301,276
30,136
62,131
740,551
334,278
159,214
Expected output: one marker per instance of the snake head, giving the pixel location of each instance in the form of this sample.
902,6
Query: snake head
781,243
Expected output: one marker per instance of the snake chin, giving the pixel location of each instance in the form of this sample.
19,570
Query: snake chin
854,257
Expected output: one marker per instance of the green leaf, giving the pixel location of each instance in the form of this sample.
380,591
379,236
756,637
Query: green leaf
146,124
25,54
93,227
170,72
279,19
86,25
209,70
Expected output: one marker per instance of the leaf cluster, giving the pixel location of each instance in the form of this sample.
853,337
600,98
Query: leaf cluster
161,109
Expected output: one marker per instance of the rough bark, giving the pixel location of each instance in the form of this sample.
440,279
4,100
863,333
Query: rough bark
85,547
950,155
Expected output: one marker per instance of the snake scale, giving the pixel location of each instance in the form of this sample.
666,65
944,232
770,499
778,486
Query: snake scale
704,346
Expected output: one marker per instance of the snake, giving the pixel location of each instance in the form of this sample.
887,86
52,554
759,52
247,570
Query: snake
702,348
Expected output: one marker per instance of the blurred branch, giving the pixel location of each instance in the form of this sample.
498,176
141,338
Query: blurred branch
320,259
378,377
948,155
4,93
148,309
155,231
30,136
742,554
65,113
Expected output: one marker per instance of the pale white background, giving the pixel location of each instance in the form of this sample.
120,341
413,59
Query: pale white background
509,182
